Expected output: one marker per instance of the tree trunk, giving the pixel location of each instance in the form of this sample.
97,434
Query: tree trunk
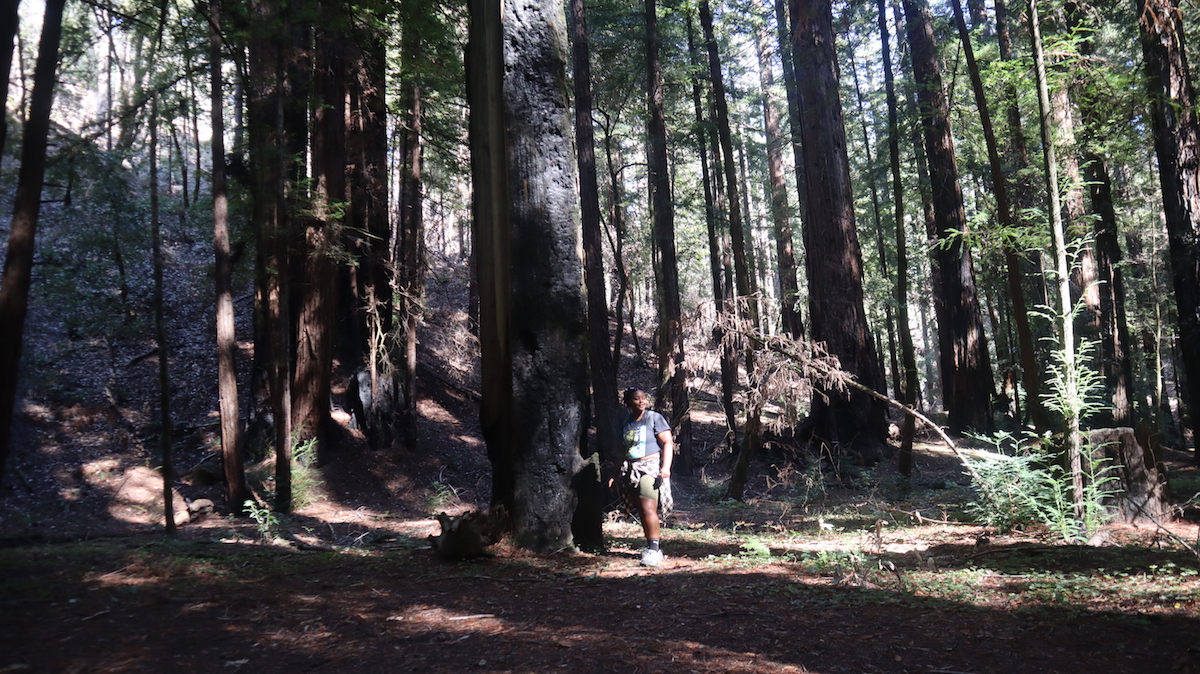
268,148
744,302
967,386
1068,363
314,346
605,404
1115,341
1177,145
412,236
236,492
909,393
549,321
1023,198
165,426
18,260
711,211
789,288
371,293
672,364
492,243
851,423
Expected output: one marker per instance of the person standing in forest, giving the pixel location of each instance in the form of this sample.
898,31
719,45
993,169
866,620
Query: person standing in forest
647,468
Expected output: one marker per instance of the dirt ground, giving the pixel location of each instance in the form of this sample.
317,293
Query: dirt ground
349,583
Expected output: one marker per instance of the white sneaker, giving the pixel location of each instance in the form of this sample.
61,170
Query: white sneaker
652,557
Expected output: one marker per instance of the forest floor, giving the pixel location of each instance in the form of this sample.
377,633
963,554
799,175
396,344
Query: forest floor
815,571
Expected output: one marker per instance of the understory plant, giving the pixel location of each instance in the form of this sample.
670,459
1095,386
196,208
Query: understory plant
1021,479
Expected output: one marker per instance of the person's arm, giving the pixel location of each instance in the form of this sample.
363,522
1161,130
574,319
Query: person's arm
667,450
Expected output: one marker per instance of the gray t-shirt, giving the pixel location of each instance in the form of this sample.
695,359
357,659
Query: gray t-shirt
641,436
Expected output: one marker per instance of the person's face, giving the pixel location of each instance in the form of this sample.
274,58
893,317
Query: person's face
638,402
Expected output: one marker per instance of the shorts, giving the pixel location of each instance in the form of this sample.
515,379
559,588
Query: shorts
643,480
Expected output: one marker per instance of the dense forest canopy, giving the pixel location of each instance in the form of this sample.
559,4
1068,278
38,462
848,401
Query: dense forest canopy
988,213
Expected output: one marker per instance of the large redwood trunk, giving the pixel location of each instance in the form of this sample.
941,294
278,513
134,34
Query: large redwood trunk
850,422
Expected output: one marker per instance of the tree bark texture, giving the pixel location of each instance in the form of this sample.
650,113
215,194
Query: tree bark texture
315,321
370,234
549,320
18,260
967,386
412,235
236,492
1176,129
851,422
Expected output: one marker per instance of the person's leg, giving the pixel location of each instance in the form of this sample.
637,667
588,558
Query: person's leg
649,512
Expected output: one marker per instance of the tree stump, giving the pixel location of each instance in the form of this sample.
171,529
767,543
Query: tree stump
1140,485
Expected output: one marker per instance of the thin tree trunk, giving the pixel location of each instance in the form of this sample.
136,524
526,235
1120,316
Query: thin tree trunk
18,260
1057,231
412,218
909,393
605,404
165,427
711,212
672,362
880,247
236,492
1022,198
743,299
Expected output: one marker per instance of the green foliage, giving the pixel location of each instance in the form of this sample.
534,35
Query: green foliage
1021,483
267,521
440,496
306,480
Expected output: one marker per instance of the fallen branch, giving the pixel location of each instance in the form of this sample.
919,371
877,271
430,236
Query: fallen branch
921,519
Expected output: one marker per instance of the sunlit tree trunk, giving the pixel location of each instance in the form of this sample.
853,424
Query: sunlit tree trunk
236,492
743,299
785,257
909,393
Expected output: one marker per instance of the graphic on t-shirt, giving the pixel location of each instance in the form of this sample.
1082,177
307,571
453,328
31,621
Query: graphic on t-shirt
635,440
